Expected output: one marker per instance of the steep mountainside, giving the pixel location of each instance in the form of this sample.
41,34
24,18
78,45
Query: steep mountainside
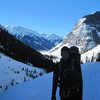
13,72
17,50
85,35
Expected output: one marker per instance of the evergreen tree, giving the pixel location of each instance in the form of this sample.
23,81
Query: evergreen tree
93,58
87,59
23,68
25,79
33,77
17,83
12,83
98,57
6,87
17,72
41,73
0,86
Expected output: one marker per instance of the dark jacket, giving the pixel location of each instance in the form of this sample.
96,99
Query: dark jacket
78,72
56,76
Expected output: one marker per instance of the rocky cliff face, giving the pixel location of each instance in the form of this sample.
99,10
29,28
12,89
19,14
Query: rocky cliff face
86,33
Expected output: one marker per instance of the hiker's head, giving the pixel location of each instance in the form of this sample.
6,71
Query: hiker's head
74,53
74,50
65,53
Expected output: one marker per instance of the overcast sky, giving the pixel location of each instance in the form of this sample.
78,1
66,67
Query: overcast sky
46,16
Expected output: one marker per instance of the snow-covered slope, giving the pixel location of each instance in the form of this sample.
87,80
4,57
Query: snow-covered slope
40,88
91,54
13,72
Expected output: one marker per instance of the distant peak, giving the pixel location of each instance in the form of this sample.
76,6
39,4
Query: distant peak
96,12
92,15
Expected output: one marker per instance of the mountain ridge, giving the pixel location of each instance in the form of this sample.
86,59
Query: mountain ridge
37,41
85,35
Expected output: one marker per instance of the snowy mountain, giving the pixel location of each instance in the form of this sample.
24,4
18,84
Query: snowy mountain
19,51
53,38
34,39
85,34
13,72
38,89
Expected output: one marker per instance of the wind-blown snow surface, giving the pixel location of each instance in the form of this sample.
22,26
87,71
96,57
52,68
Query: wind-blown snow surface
40,88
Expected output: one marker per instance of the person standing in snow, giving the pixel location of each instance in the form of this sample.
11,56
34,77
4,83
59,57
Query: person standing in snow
75,60
65,77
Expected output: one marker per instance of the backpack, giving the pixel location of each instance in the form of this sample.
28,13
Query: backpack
74,54
75,58
67,76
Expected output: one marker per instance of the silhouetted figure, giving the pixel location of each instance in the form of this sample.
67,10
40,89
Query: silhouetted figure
66,76
75,60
